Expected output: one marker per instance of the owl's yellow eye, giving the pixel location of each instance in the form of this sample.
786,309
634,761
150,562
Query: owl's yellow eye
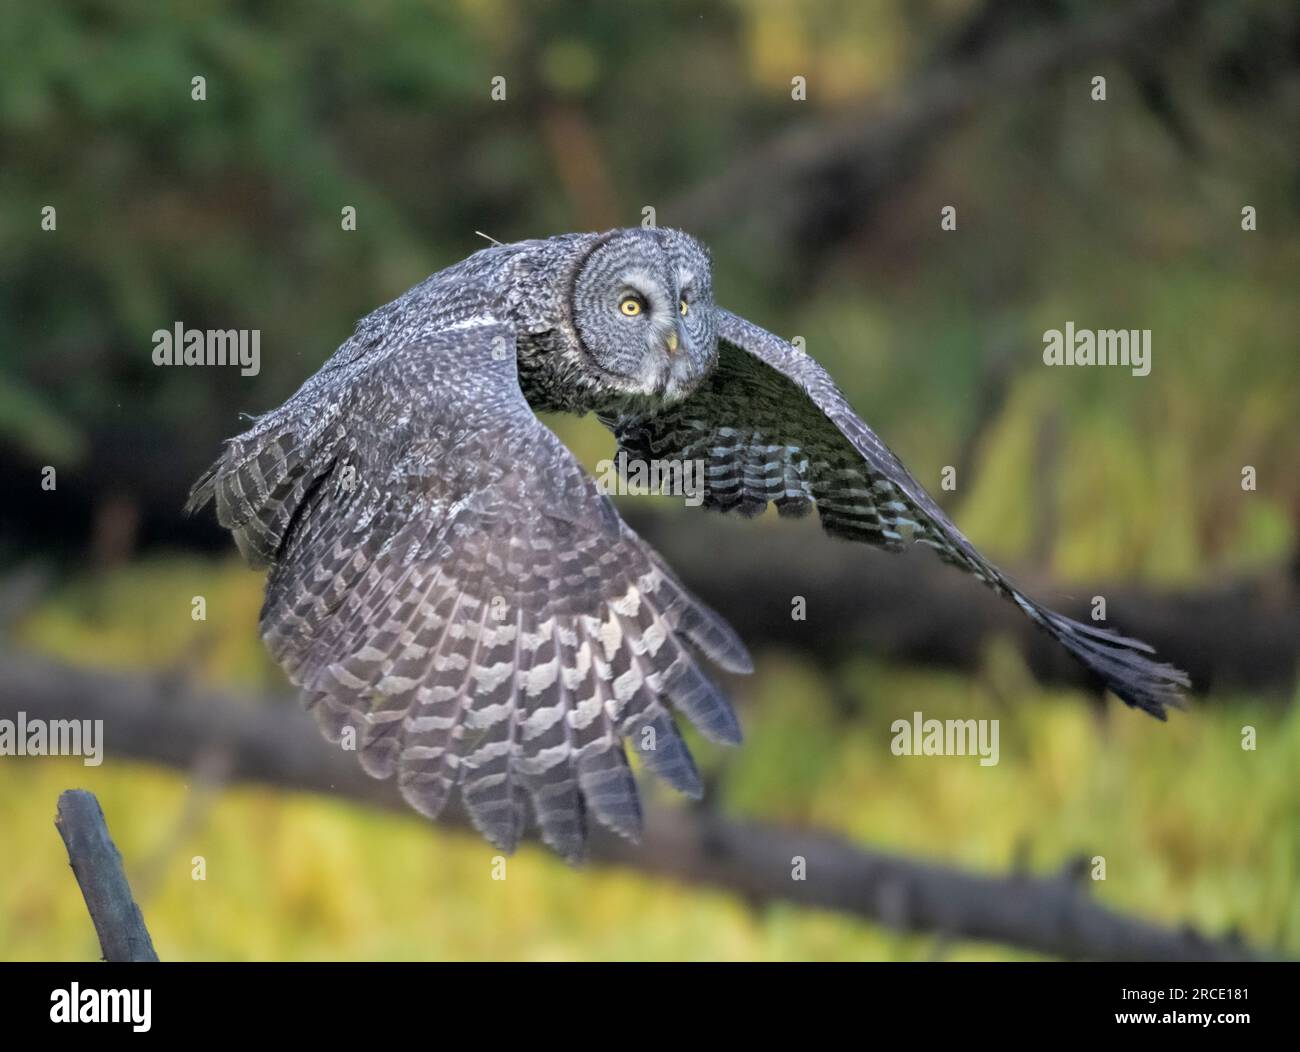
684,308
631,307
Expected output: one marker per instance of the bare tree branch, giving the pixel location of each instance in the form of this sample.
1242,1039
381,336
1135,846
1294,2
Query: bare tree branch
273,742
862,154
1239,633
98,869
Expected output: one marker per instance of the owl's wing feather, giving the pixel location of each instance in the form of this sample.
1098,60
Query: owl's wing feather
450,584
772,427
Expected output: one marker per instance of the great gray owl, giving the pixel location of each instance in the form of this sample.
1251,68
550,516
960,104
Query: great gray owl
447,580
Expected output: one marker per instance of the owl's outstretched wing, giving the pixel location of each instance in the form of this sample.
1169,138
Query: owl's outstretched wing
772,427
447,580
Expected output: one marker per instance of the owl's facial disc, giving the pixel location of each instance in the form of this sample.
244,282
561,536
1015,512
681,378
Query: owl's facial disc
644,317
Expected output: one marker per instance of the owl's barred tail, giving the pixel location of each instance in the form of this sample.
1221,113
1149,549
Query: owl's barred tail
1120,662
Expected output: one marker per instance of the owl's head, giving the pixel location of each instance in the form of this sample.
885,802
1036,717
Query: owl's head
643,311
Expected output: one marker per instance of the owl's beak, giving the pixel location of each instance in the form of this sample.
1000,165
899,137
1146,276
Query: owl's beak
671,341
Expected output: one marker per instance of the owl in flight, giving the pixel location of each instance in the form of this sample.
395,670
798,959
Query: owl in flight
447,580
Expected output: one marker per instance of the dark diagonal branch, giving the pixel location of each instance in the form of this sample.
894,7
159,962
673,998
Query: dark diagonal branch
98,869
860,155
1237,634
272,742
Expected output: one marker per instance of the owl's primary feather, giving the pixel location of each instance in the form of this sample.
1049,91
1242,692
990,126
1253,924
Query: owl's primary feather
772,427
447,582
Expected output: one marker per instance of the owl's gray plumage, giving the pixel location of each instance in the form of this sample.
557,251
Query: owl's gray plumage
446,579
